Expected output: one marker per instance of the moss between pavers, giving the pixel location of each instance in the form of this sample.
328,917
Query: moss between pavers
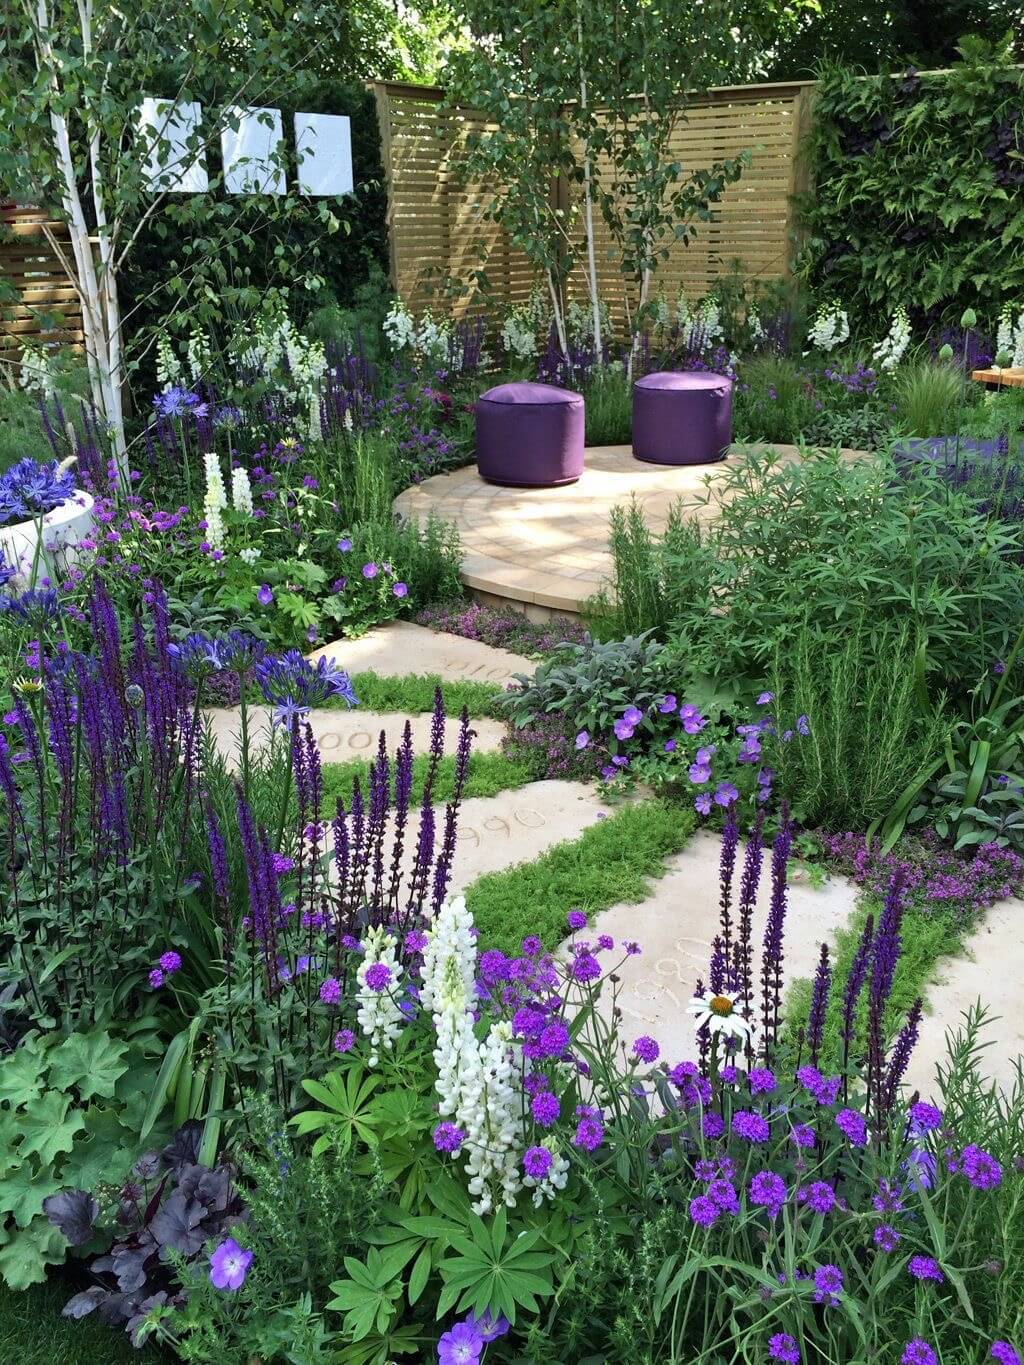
612,861
414,692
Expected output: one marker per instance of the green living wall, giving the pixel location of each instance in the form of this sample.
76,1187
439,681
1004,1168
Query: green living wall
919,189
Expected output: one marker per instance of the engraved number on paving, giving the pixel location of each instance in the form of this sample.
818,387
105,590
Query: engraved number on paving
497,824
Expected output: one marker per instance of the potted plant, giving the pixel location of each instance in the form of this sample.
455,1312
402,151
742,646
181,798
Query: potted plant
42,514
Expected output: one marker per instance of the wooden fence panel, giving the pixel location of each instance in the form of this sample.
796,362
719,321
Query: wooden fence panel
440,235
46,309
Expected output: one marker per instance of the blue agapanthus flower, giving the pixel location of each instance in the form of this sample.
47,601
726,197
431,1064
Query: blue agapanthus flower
29,488
36,606
200,655
293,685
178,401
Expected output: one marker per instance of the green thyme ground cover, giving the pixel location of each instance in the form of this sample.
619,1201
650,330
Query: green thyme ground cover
612,861
488,775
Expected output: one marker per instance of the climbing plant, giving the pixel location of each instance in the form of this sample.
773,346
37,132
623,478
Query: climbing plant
919,188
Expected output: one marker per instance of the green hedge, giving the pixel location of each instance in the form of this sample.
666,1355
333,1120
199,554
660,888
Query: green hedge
919,190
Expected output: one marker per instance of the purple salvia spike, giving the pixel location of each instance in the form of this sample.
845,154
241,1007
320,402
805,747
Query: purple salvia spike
219,876
727,866
418,881
855,982
29,736
884,956
774,933
749,883
403,795
903,1047
717,973
819,1005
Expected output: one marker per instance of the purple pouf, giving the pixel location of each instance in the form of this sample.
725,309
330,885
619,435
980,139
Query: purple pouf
682,417
529,435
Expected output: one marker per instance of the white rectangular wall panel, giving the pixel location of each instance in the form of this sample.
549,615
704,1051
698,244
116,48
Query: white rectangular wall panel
166,130
253,153
324,146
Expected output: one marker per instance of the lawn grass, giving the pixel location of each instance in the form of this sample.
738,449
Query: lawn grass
612,861
414,692
32,1331
927,937
489,774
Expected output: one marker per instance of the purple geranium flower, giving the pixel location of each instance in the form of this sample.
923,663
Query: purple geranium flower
264,594
461,1345
229,1265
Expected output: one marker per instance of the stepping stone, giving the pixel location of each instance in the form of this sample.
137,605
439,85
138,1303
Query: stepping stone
401,647
344,735
516,826
499,832
675,927
991,971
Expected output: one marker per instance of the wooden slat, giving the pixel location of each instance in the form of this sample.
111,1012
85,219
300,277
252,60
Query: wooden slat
438,221
29,264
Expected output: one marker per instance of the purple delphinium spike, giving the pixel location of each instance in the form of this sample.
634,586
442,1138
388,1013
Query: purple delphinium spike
727,867
819,1005
901,1051
775,933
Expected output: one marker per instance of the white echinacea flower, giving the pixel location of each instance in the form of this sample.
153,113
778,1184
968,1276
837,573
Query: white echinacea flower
720,1015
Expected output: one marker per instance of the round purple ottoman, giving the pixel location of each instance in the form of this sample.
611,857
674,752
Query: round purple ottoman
529,435
682,417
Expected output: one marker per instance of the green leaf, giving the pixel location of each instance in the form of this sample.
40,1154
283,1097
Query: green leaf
48,1129
23,1191
24,1259
91,1061
167,1077
21,1076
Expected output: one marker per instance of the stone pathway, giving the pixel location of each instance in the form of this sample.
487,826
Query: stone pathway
401,648
345,735
675,927
991,970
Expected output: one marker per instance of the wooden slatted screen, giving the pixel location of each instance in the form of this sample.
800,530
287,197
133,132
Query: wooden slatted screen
439,236
45,308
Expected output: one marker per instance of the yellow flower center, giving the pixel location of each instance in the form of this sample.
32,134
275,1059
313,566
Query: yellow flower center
720,1004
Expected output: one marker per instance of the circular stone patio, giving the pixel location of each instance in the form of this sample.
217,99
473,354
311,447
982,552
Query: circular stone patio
545,550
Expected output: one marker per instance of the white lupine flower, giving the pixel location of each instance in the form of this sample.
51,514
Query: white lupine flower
890,350
755,325
379,1014
249,556
168,366
478,1082
241,491
830,328
215,501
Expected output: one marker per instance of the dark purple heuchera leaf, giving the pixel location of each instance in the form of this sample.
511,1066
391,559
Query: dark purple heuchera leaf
85,1303
183,1148
73,1214
179,1225
148,1166
211,1188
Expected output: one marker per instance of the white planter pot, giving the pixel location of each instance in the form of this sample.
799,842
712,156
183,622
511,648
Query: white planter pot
62,530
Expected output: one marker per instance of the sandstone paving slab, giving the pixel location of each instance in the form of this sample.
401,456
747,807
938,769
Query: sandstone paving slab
523,545
517,826
499,832
675,927
402,647
990,970
345,735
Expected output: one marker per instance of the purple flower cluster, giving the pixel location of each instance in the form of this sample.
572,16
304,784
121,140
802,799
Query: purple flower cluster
29,489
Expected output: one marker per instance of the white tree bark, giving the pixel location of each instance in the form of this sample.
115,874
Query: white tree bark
99,304
588,202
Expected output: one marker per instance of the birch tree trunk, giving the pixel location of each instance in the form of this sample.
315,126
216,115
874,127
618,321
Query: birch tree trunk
588,202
